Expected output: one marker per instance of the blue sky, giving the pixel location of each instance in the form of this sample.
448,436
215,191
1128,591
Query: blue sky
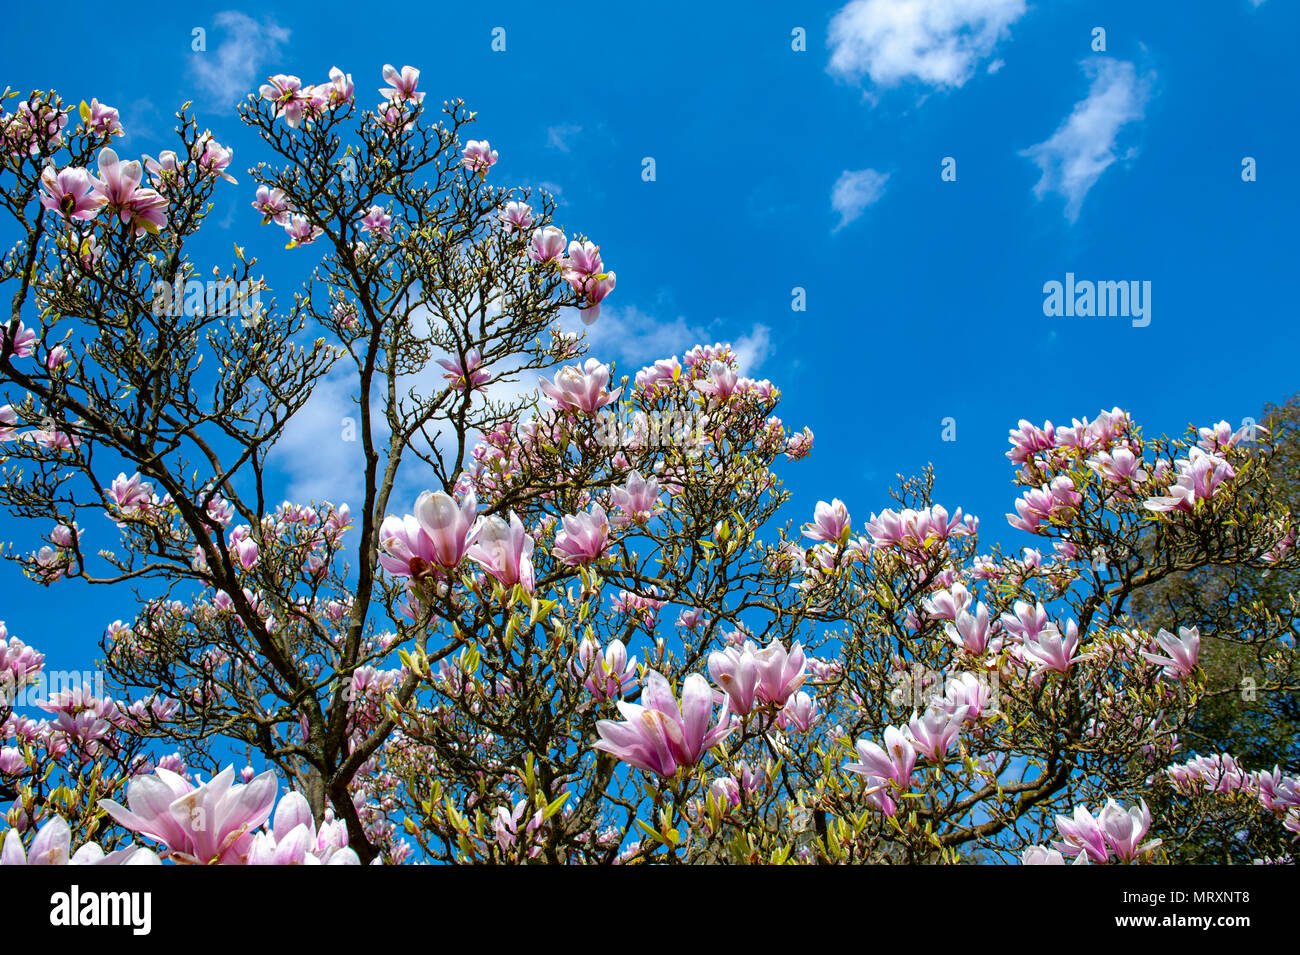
817,169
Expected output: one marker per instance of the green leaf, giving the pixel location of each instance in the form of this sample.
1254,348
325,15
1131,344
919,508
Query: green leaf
555,805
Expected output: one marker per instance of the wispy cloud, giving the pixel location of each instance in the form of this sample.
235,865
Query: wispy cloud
938,43
320,452
557,137
752,350
1084,146
231,70
854,191
634,338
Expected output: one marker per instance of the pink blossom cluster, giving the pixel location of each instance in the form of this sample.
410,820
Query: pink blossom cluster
606,675
297,104
217,822
77,196
657,735
1220,773
35,126
1089,839
582,268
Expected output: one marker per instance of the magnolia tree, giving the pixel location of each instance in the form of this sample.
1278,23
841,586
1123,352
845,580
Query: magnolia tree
576,647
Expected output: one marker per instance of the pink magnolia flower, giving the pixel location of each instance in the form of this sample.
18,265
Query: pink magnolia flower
403,85
478,156
69,192
721,383
662,375
894,761
1027,440
130,492
466,373
583,538
118,187
1200,475
1051,650
967,693
299,230
1041,855
830,522
12,761
505,550
1082,834
799,445
547,245
1027,621
1125,829
517,215
1276,791
639,500
971,631
378,221
800,711
23,341
1181,652
580,388
658,736
200,825
780,673
339,92
594,291
1119,467
506,825
936,731
690,618
1053,501
246,550
294,839
213,158
1222,436
289,97
607,676
52,846
735,670
8,417
948,604
100,119
729,790
585,273
272,204
438,534
167,162
19,664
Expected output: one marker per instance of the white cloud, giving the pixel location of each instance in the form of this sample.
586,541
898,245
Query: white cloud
935,42
557,136
231,70
854,191
320,452
635,339
1083,147
751,350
